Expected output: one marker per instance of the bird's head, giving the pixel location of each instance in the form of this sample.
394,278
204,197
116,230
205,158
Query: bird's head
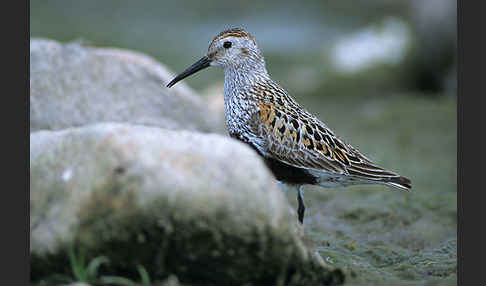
232,48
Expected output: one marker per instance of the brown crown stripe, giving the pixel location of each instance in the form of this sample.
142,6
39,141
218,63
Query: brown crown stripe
234,32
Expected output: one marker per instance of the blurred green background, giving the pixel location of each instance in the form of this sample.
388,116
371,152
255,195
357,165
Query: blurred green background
379,45
382,74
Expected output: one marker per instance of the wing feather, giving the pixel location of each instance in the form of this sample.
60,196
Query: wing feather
305,142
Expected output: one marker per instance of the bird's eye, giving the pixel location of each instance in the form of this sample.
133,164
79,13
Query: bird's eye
227,45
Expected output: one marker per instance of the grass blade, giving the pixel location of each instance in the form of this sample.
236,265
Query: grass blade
144,275
77,265
93,266
117,281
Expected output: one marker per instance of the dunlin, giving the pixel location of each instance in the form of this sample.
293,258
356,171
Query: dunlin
297,147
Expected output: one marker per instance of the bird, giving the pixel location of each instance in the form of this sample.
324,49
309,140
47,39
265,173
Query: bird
297,147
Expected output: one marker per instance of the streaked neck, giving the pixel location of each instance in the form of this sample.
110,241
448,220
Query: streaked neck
238,78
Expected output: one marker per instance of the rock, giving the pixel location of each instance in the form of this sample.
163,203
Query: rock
212,96
199,206
73,85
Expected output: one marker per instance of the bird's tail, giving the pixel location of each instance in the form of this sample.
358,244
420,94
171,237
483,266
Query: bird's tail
374,174
399,182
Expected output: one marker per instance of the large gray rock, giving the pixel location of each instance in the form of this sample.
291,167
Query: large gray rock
73,85
201,206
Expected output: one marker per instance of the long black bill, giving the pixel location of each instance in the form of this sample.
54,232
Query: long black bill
199,65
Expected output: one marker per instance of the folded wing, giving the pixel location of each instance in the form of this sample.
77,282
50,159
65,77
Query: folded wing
297,138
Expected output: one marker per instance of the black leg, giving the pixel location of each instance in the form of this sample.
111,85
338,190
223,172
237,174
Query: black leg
301,208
